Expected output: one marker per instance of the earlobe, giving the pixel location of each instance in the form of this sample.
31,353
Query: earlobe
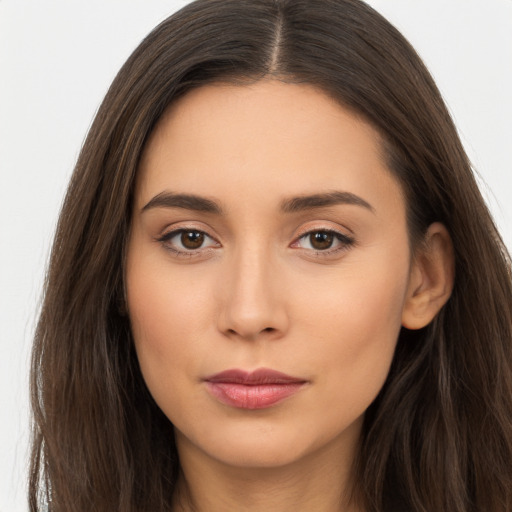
431,278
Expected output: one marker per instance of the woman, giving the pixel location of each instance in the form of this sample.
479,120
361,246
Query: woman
275,284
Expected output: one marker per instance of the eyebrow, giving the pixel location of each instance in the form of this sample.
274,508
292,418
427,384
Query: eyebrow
291,205
185,201
310,202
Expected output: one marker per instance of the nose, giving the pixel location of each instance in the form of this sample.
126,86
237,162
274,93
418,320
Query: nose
252,298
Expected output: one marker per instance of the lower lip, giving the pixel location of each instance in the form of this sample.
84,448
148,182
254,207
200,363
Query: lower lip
252,397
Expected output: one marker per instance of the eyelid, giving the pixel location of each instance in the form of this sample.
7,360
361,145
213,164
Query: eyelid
345,241
174,231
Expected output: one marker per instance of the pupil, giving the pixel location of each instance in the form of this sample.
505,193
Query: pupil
192,239
322,240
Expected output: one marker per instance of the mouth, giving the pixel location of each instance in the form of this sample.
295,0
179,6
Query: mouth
259,389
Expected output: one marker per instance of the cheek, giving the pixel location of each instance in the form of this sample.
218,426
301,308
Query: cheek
159,314
168,318
355,328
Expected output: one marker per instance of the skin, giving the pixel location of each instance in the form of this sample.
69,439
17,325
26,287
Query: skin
259,292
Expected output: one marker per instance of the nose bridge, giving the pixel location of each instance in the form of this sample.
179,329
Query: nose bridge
251,303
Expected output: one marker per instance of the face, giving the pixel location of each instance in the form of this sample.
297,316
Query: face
267,271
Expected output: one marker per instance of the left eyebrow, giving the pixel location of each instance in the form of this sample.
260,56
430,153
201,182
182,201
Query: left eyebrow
310,202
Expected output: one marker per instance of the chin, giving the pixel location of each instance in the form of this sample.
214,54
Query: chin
268,445
260,455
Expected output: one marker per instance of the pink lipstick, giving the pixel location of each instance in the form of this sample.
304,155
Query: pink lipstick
252,390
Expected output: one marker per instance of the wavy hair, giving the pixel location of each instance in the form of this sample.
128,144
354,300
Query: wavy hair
439,435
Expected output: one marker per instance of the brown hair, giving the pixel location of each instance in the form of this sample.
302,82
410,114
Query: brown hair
439,435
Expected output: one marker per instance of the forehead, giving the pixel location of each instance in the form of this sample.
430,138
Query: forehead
266,139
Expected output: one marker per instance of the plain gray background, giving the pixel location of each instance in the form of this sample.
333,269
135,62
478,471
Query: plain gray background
57,59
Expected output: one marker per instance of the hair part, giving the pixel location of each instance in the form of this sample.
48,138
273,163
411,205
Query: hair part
438,436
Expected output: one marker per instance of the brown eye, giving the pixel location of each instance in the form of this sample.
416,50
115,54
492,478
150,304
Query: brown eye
192,239
321,240
324,241
187,241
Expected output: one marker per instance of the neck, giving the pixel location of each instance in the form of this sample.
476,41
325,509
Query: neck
321,481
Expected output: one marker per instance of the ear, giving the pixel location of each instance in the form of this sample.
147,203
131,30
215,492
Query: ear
431,278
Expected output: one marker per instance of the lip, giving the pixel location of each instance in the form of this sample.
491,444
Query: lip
259,389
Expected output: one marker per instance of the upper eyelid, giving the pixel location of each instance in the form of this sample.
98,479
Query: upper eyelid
185,226
319,230
343,232
175,231
167,235
322,224
348,239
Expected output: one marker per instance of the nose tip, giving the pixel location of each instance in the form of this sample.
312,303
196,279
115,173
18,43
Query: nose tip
250,316
252,304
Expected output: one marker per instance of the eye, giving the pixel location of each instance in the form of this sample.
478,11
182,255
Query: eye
187,240
323,240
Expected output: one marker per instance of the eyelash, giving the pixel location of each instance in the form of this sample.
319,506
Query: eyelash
345,242
165,238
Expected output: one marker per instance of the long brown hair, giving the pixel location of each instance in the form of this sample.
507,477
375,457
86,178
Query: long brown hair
439,435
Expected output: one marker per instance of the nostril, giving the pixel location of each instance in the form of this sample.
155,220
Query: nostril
268,330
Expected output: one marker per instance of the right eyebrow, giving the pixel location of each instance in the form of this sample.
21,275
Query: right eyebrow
185,201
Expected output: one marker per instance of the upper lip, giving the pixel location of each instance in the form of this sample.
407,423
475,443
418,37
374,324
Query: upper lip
260,376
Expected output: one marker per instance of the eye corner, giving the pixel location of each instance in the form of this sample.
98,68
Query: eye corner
330,243
174,241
